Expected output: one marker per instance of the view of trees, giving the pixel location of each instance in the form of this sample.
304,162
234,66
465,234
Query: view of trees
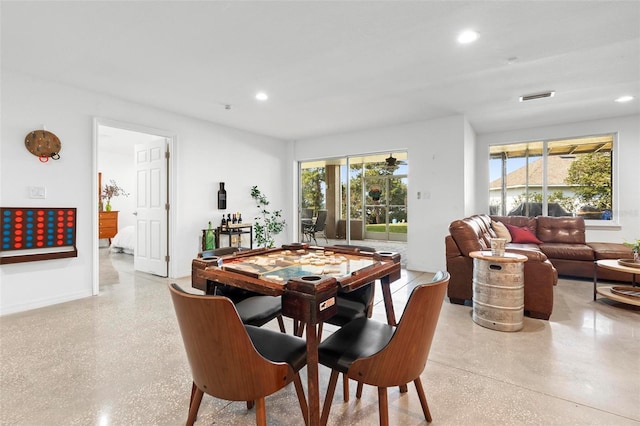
591,175
312,190
365,180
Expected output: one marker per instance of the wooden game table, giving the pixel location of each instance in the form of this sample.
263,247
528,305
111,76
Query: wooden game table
308,279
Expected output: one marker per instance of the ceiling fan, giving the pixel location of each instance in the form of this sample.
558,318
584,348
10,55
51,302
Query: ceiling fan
392,161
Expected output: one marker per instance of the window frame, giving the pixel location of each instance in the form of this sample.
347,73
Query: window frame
590,223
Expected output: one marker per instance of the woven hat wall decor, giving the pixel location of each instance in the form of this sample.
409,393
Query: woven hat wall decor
43,144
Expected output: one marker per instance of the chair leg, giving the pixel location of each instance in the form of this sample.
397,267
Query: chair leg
383,406
281,324
194,405
423,399
320,331
328,398
261,412
301,398
359,390
298,328
345,387
250,404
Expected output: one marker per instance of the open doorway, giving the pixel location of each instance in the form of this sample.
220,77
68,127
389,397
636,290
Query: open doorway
135,230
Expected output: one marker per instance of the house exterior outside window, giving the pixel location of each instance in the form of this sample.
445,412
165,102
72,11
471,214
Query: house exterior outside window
564,177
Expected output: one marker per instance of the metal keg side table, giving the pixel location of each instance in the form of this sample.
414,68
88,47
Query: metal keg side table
498,290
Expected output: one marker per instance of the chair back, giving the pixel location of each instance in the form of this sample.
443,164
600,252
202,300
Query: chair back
224,363
306,213
403,359
321,220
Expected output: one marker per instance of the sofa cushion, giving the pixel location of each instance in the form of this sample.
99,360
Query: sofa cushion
529,222
501,230
568,230
466,234
567,251
522,235
610,251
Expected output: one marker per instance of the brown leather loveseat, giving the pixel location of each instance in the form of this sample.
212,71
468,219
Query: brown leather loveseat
560,249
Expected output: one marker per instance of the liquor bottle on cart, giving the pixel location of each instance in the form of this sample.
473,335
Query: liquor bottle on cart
210,239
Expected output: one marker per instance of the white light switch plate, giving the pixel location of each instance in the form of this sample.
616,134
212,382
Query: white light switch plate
37,192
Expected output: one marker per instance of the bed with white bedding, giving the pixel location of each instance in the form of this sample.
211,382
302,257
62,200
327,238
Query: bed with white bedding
124,241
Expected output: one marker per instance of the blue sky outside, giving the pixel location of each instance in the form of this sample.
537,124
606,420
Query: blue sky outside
495,166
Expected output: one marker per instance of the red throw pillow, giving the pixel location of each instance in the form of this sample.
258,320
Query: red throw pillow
522,235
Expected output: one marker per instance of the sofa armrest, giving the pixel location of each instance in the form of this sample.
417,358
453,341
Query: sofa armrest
532,255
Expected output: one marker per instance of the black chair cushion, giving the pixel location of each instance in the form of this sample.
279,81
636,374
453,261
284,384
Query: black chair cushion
351,305
258,310
234,293
358,339
347,311
279,347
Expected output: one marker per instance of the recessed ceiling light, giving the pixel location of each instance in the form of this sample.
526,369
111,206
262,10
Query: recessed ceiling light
261,96
467,36
625,98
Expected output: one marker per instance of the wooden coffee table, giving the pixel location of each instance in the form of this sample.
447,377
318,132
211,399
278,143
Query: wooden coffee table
605,291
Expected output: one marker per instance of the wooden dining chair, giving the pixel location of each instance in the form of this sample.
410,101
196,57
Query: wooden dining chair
382,355
233,361
254,308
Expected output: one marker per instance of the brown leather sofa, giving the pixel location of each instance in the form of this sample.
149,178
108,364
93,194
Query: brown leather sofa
564,244
563,251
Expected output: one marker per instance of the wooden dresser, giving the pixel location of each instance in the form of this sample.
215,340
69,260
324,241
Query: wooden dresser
107,224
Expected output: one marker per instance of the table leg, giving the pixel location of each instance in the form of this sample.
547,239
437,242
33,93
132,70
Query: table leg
595,278
312,375
388,303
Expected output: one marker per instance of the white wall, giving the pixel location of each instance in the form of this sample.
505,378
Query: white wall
626,162
436,167
470,154
205,154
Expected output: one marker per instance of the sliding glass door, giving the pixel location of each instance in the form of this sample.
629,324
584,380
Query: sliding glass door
375,187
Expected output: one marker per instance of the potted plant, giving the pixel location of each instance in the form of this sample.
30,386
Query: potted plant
269,224
112,190
635,248
375,193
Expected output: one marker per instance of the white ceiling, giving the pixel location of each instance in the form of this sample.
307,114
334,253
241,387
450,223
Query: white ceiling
338,66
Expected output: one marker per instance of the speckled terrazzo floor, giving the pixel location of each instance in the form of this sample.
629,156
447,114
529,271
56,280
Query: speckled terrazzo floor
117,359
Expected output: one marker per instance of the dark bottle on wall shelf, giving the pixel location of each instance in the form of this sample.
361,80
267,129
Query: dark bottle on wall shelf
234,219
239,217
223,223
229,219
222,197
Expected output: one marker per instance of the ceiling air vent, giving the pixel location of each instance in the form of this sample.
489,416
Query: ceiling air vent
540,95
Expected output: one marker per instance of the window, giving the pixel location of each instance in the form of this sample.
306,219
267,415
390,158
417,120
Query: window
565,177
376,187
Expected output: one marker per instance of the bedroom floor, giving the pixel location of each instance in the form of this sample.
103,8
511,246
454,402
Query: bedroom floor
118,359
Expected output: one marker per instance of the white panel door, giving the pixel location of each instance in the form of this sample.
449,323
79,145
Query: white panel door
151,208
